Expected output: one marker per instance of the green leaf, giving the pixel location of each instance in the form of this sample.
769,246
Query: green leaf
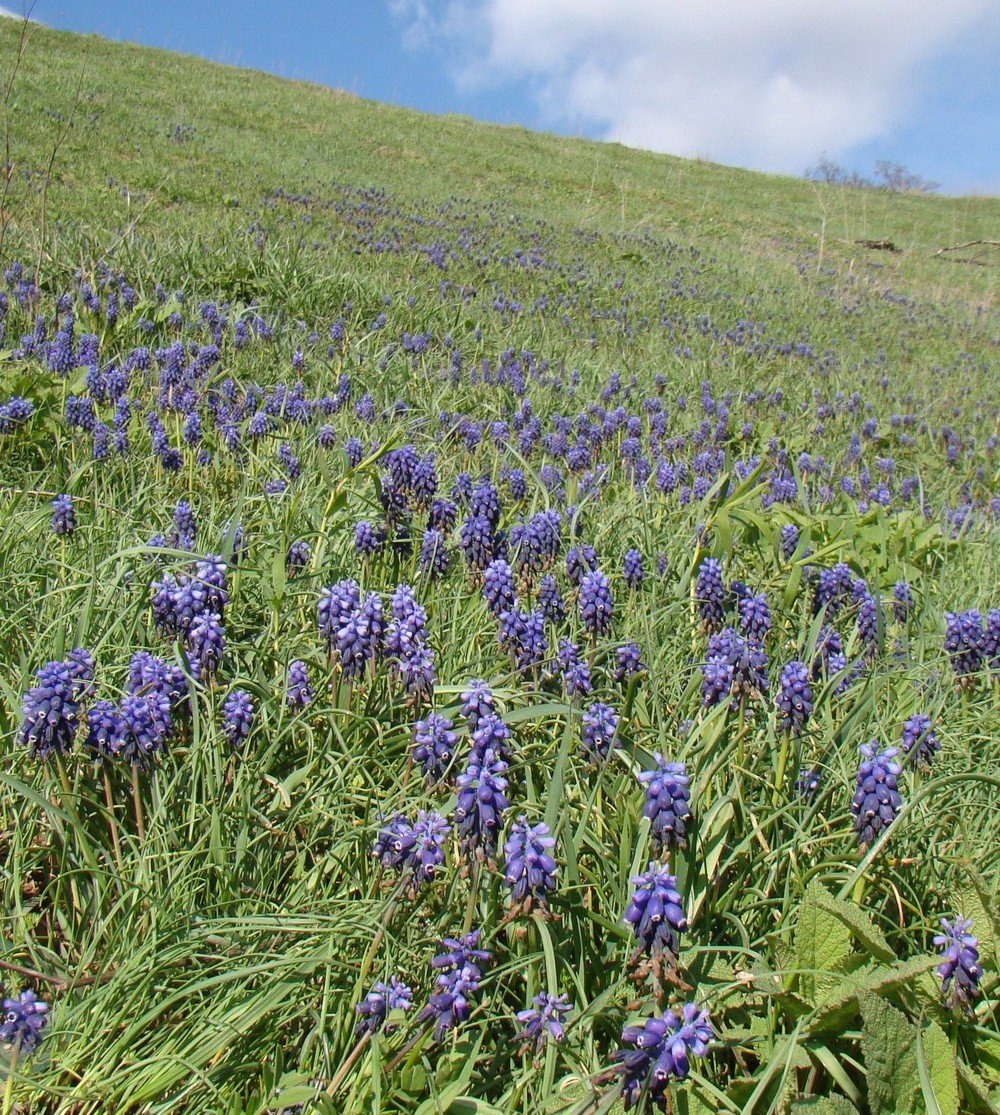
821,941
979,1096
890,1058
824,1105
839,999
937,1071
862,928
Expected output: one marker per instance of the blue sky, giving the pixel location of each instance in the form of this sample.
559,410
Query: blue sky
768,84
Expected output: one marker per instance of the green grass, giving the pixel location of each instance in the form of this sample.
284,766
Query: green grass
204,933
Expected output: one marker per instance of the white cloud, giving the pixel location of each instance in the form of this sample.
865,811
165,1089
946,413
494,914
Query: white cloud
762,83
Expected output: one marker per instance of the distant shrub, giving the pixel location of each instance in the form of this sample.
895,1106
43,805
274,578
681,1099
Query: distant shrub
888,176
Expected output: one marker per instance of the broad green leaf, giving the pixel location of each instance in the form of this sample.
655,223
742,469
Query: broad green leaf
840,998
864,930
937,1071
821,941
977,1091
824,1105
887,1046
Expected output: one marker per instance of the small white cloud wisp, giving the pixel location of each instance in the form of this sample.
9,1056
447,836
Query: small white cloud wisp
767,84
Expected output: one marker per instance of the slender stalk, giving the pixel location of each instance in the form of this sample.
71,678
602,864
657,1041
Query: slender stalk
112,823
137,803
8,1092
346,1067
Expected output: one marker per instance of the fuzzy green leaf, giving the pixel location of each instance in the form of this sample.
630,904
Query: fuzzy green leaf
822,941
887,1045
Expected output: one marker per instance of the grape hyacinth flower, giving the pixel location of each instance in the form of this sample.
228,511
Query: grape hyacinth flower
628,662
434,556
575,670
596,603
717,680
434,744
336,603
530,869
63,515
902,606
919,740
490,734
634,570
238,715
809,783
51,709
544,1021
667,803
600,728
550,600
960,971
710,594
789,540
877,800
461,973
964,642
297,557
299,693
498,587
368,540
417,848
662,1048
374,1008
477,702
206,642
755,616
24,1020
656,912
482,802
795,700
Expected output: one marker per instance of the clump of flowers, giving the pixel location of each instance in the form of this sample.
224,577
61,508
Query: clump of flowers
656,912
877,800
51,709
964,642
299,693
530,869
667,803
461,973
544,1021
795,700
920,742
24,1020
374,1008
710,594
238,714
416,849
960,970
482,802
600,730
662,1048
63,515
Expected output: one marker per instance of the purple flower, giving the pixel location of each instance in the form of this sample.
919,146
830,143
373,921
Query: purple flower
600,728
417,848
545,1021
960,971
902,596
530,869
755,616
656,912
63,515
498,587
434,745
206,642
596,603
628,662
24,1020
477,702
877,800
580,560
238,715
964,641
662,1050
297,557
434,556
667,803
795,700
461,973
710,594
360,637
919,740
299,693
51,709
634,570
789,540
575,670
809,782
335,606
482,802
550,600
477,541
374,1008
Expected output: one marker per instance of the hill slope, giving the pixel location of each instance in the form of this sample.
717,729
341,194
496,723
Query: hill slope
315,411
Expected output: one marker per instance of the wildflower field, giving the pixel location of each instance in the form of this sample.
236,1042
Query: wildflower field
491,622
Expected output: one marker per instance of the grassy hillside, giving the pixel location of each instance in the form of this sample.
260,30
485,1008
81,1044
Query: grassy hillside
313,411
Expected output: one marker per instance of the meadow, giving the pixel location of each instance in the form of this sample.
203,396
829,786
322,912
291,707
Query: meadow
491,622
